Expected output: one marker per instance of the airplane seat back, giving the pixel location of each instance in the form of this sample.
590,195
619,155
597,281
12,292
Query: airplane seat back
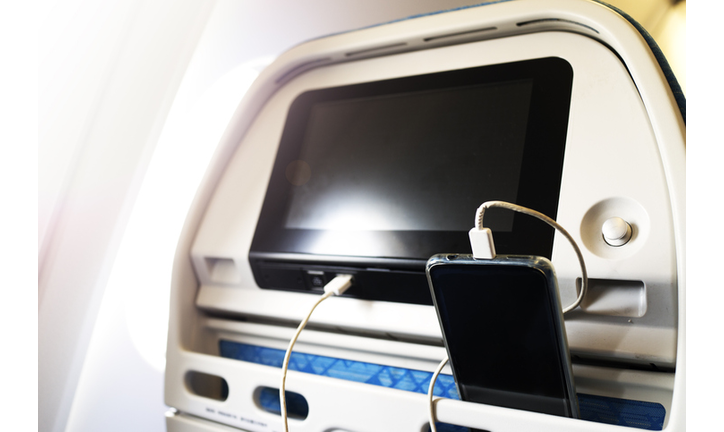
608,141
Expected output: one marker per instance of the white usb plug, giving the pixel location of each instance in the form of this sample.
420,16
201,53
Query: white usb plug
339,284
481,241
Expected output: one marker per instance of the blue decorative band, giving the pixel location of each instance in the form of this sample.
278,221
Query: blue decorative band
623,412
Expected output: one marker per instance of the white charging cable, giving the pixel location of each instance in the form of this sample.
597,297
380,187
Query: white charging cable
336,286
481,241
431,406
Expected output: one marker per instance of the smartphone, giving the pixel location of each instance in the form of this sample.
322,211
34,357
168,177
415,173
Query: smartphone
502,324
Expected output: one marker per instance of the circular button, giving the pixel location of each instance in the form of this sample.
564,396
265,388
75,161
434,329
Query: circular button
616,231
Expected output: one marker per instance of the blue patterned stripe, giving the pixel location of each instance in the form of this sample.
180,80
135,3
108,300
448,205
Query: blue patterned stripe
350,370
601,409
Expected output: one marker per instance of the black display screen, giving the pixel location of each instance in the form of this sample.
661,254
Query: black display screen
504,340
389,171
377,163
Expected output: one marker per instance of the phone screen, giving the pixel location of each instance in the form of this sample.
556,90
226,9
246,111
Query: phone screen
503,336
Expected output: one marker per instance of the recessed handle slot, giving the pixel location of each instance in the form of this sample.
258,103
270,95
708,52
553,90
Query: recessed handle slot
267,398
207,385
611,297
222,270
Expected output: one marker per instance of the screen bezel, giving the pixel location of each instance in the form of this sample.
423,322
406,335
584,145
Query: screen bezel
539,186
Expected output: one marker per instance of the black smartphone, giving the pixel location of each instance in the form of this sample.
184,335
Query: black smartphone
502,323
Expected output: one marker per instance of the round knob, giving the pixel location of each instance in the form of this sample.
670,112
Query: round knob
616,231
